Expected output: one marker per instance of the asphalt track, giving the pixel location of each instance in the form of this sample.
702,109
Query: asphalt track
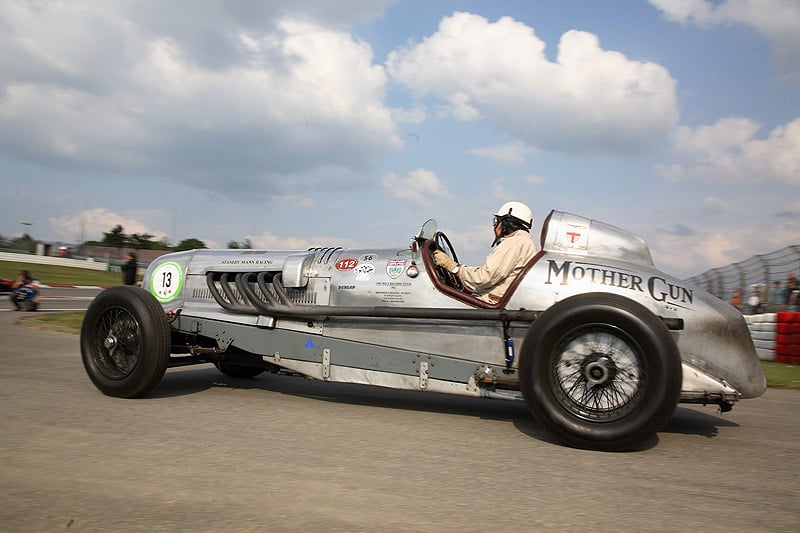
205,452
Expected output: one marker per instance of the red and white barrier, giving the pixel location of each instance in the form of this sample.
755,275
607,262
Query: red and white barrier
776,336
787,338
763,330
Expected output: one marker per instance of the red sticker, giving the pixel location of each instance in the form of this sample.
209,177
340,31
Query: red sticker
346,264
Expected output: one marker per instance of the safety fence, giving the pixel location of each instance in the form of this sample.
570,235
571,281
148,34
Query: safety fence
758,273
89,263
776,336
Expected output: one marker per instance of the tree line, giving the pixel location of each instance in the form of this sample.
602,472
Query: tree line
117,238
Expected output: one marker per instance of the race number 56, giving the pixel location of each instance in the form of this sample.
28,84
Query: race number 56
166,281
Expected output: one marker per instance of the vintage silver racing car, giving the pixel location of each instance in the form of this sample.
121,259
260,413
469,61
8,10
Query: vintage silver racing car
599,344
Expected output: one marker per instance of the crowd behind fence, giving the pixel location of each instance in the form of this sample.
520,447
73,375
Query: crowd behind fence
755,275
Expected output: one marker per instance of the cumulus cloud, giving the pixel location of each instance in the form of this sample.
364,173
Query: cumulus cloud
695,250
728,151
412,115
92,223
95,85
589,99
793,213
509,154
421,186
715,204
674,252
777,20
269,241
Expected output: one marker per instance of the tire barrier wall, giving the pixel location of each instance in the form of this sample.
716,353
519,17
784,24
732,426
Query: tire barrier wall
787,338
776,336
763,331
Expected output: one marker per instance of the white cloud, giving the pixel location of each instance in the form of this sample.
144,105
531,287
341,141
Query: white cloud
91,224
678,253
296,201
270,241
460,106
422,187
105,85
777,20
717,245
728,151
715,205
412,115
590,99
509,154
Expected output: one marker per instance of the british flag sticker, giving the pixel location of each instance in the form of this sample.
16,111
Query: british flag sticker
395,268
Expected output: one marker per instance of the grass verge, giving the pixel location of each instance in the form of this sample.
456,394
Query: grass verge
61,275
66,322
779,375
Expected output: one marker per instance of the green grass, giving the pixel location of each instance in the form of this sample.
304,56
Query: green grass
781,376
60,275
66,322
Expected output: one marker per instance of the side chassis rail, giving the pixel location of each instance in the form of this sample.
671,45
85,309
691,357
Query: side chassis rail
329,359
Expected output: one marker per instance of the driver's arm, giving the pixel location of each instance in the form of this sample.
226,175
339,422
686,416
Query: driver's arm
499,266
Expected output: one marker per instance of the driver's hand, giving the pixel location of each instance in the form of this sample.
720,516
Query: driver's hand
443,260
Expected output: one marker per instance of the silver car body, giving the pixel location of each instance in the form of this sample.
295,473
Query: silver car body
383,316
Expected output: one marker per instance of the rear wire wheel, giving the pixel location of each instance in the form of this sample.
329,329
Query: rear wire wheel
601,372
125,342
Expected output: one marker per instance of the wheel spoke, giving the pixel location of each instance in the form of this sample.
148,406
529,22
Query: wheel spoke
116,345
598,373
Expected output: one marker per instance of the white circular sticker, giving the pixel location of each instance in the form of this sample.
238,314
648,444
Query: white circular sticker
166,281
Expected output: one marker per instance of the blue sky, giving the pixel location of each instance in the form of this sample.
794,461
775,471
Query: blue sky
309,123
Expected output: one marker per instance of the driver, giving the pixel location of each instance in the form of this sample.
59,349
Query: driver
513,248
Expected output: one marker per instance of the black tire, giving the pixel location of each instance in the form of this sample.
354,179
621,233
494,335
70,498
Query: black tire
233,370
600,372
125,342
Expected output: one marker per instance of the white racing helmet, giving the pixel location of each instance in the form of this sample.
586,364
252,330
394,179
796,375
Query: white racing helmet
518,211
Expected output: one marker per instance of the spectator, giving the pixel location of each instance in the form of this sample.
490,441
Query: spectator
777,297
793,300
791,281
754,301
26,290
736,299
129,268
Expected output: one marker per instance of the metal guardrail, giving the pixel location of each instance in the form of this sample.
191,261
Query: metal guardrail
758,271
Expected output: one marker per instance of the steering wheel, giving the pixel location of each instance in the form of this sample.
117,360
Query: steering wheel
441,242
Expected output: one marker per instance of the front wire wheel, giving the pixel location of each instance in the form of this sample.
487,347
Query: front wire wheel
116,349
600,371
125,341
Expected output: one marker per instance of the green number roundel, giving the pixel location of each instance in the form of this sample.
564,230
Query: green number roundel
166,281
